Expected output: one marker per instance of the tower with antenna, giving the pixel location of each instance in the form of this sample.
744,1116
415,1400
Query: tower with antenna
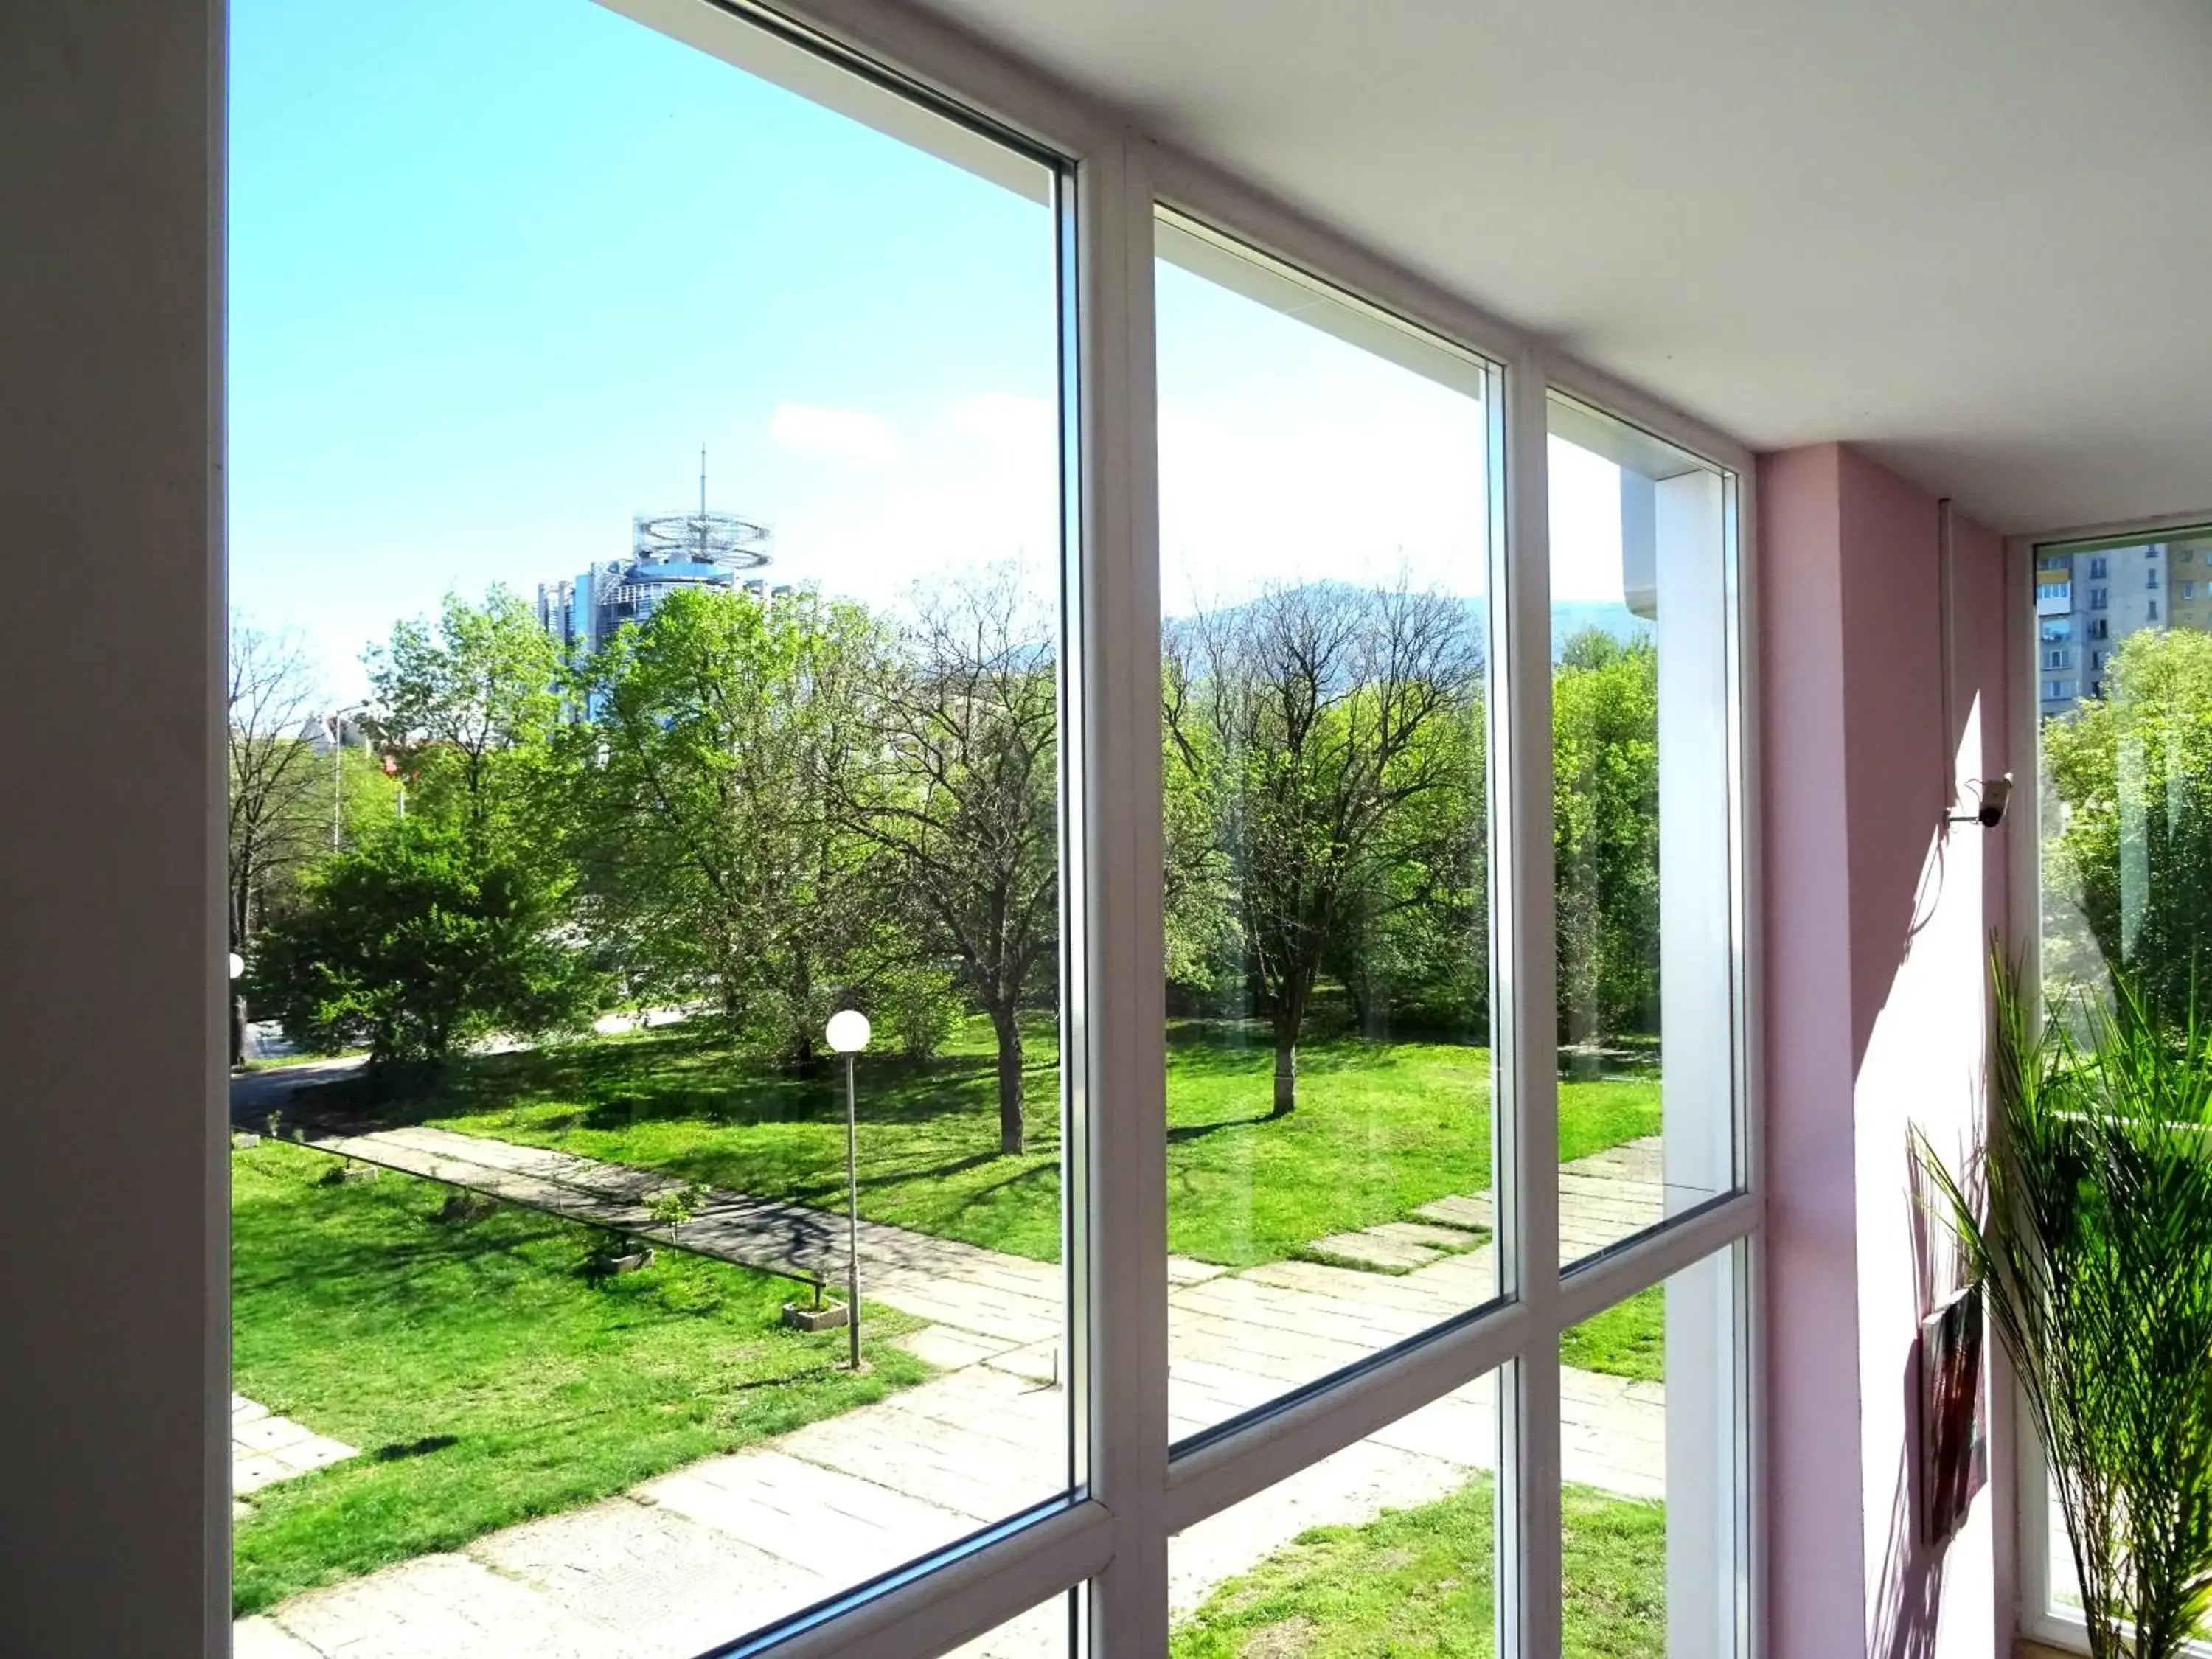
696,547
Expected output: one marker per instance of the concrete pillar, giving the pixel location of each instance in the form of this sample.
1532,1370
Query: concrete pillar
113,1395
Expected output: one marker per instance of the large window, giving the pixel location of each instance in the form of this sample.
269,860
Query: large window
726,538
1325,540
648,546
2123,846
1643,686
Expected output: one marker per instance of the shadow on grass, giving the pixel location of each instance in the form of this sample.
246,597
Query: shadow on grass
1180,1132
423,1447
687,1075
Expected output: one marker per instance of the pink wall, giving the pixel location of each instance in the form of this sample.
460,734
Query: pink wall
1877,918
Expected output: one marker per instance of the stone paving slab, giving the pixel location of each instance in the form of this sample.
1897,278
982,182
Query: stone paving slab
1471,1212
784,1507
949,1349
1461,1428
1040,1362
1445,1240
1368,1250
1187,1270
1605,1198
265,1449
261,1637
667,1584
445,1607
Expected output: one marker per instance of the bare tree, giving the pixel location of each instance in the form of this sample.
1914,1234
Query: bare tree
1317,721
274,701
971,729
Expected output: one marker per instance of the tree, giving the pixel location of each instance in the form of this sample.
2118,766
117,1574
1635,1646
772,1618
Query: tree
968,717
272,770
1605,819
2133,774
1198,885
1414,946
1312,718
415,942
466,709
713,793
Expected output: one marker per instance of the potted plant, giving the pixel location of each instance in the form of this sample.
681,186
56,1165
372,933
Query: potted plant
2085,1222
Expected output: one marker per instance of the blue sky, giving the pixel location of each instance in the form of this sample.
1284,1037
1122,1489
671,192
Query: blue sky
499,268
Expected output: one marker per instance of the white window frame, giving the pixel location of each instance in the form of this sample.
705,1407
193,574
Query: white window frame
1110,1539
2038,1618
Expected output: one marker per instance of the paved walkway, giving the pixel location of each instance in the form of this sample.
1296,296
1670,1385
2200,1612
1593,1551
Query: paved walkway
265,1449
729,1543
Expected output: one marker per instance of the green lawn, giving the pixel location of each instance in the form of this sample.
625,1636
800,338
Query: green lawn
1380,1129
1629,1338
486,1377
1418,1581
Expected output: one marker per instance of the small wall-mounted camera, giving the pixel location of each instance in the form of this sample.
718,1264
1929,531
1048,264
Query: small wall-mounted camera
1991,797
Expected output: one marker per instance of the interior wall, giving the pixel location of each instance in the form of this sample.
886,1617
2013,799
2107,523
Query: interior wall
1879,915
114,1510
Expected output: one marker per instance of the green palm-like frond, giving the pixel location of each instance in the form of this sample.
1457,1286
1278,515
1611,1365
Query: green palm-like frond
2090,1239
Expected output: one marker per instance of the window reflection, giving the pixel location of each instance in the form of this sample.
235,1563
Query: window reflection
1644,794
1325,507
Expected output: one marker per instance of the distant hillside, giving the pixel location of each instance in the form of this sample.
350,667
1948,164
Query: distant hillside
1573,617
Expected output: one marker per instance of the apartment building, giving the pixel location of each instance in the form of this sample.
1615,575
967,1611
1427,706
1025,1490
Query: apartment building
2088,601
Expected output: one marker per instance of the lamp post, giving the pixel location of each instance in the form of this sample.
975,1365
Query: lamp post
335,722
237,1012
848,1034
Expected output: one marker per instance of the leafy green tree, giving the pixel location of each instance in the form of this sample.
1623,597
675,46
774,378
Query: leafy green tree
965,807
1204,938
712,796
2133,776
1412,948
413,944
466,708
1605,819
1310,719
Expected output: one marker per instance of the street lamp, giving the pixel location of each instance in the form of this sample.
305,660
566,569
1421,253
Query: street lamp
237,1010
848,1034
335,723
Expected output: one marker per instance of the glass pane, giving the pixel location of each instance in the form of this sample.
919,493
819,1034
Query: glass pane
2127,769
1324,524
584,773
1651,1511
2125,802
1644,769
1389,1546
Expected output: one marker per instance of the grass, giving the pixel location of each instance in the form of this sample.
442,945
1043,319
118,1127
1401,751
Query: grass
1628,1339
1419,1581
486,1379
1380,1129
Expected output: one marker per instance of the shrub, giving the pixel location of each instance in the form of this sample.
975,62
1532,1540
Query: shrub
415,943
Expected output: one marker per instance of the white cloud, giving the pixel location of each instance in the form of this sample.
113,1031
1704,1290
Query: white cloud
810,429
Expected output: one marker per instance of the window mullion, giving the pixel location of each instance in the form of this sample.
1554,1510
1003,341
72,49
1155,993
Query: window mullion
1527,1072
1119,1215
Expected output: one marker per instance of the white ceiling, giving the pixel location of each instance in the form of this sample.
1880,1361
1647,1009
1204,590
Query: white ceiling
1973,235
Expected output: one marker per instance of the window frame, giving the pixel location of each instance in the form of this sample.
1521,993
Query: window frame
2036,1617
1108,1539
